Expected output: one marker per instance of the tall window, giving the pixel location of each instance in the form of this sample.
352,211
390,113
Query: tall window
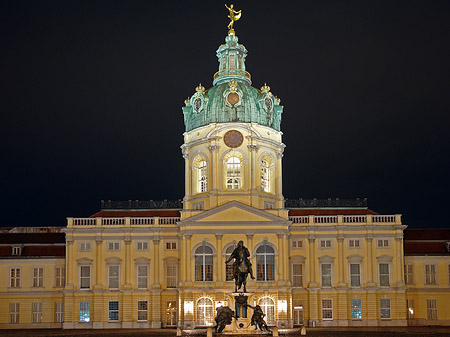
142,276
204,263
356,308
268,307
38,277
113,275
37,312
113,310
432,309
14,312
59,312
60,276
171,272
229,276
297,274
171,313
327,309
430,274
85,277
233,173
265,176
14,277
410,309
202,177
142,310
326,274
384,274
408,273
298,312
85,311
205,312
355,274
232,64
265,263
385,308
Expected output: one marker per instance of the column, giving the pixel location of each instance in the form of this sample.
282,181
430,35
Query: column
220,263
188,259
69,259
98,262
340,240
286,258
187,175
250,249
370,264
279,175
156,283
183,260
281,258
127,241
400,265
312,262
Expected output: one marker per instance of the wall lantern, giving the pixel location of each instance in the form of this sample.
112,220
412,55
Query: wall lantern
188,307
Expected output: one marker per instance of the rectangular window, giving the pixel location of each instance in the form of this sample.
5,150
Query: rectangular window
113,310
14,312
37,312
356,308
142,310
408,273
355,274
38,277
432,309
325,243
59,309
85,277
410,309
60,276
142,245
14,277
327,309
430,274
142,272
353,243
382,243
171,276
16,250
297,275
385,308
171,245
85,311
297,243
84,246
232,64
326,274
113,245
113,273
384,274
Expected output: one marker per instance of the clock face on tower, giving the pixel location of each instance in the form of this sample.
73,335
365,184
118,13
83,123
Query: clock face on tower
233,138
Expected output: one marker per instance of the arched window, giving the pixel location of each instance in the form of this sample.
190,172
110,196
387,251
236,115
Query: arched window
204,263
233,173
268,307
202,177
229,275
265,263
265,181
205,312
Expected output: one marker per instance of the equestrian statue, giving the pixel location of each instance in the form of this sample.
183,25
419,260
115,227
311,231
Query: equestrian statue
241,266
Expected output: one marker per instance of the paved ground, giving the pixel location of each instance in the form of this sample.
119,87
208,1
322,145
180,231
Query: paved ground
317,332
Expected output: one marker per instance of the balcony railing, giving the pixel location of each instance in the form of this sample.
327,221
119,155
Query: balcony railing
312,203
232,72
122,222
346,219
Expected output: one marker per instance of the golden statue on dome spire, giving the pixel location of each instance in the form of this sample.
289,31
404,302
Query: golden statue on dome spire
233,16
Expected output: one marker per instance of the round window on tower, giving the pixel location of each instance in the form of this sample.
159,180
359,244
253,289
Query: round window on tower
269,104
197,104
233,98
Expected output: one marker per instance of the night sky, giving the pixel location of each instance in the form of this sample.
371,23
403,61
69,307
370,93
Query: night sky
91,97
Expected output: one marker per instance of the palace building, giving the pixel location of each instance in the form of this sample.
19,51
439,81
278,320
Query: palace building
149,264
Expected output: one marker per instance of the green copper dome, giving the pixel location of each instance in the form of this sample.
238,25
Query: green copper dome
232,98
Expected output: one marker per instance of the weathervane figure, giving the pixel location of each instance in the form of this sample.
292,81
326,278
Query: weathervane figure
234,16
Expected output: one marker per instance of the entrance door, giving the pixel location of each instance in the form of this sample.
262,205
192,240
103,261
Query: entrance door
298,312
171,313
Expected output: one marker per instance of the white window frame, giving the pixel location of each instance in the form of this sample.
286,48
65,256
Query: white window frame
59,312
356,310
139,277
354,275
204,311
410,308
233,171
37,277
267,305
171,275
229,277
113,246
206,276
267,277
383,243
325,244
409,273
386,309
380,275
354,243
297,276
84,246
171,245
431,274
112,312
113,278
81,277
321,264
14,280
202,176
16,250
297,244
265,176
327,309
141,310
60,276
36,312
14,313
432,309
142,245
85,311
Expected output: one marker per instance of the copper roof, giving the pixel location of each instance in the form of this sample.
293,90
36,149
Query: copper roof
426,241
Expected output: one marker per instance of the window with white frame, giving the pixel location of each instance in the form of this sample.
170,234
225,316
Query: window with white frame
36,312
60,276
142,245
17,250
269,205
410,309
113,245
229,272
38,277
327,309
265,263
84,246
171,245
171,313
383,272
142,276
85,277
142,310
409,274
205,311
356,308
297,243
204,263
14,277
265,176
202,177
432,309
85,311
297,311
268,307
355,274
385,308
14,312
325,270
383,243
233,178
430,274
113,276
59,312
297,275
325,244
354,243
171,273
113,310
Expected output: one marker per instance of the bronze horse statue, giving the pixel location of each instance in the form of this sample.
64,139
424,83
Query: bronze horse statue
241,266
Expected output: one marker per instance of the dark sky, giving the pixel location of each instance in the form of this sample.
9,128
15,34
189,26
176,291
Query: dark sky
92,94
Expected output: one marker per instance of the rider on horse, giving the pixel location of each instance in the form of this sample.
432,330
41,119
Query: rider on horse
241,254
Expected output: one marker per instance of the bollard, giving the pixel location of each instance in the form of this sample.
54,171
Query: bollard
303,331
179,333
275,331
208,332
